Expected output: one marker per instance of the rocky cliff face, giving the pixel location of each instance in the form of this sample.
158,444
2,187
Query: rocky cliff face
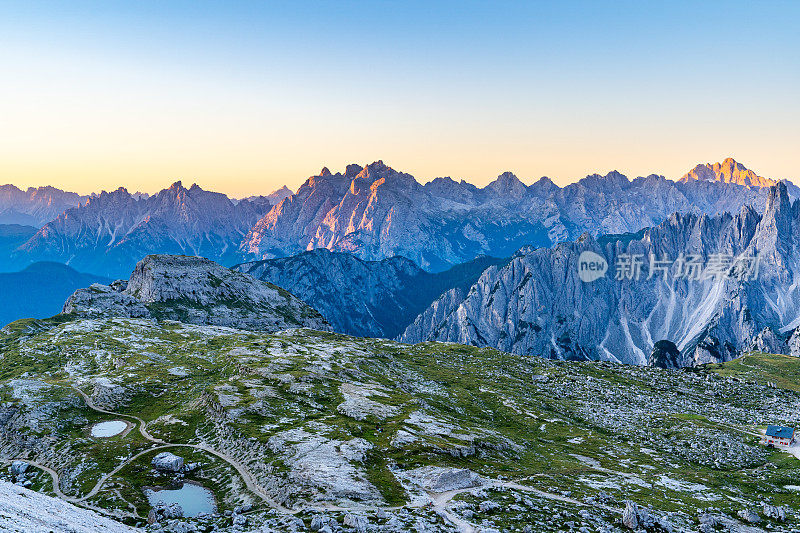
35,206
364,298
195,290
112,230
377,212
538,305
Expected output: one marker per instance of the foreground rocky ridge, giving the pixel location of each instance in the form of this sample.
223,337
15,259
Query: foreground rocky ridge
538,305
26,511
195,290
305,430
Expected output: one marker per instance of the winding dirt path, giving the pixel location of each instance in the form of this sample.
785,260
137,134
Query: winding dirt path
250,483
438,500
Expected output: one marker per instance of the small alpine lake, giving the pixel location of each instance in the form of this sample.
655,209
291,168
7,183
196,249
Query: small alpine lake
193,498
108,429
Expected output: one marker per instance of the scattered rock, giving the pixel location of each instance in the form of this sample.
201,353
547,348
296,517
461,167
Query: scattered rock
775,513
488,506
749,516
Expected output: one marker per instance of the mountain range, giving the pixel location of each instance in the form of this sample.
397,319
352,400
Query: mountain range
376,212
35,206
108,233
538,305
378,254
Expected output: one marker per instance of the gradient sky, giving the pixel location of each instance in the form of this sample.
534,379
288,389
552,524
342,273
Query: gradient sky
242,97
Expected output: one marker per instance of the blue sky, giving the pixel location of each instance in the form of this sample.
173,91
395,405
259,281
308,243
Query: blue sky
245,96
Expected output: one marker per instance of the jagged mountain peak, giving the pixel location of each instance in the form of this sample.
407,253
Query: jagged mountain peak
120,193
378,174
279,195
507,184
778,197
615,175
352,170
125,227
727,171
614,178
325,172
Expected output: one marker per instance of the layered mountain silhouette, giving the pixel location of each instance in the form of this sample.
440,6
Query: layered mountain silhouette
39,290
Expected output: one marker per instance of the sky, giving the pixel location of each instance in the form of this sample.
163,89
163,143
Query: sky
243,97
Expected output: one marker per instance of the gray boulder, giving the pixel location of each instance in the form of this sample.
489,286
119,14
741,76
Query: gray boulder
438,479
19,467
630,516
167,462
665,355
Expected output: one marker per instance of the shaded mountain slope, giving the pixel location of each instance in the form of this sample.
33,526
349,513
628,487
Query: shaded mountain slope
364,298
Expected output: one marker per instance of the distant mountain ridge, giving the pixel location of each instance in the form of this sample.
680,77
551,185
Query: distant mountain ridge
376,212
112,230
39,290
729,171
11,237
35,206
364,298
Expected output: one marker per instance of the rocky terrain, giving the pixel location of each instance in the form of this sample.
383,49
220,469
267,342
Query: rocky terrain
195,290
538,305
304,430
376,212
364,298
26,511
